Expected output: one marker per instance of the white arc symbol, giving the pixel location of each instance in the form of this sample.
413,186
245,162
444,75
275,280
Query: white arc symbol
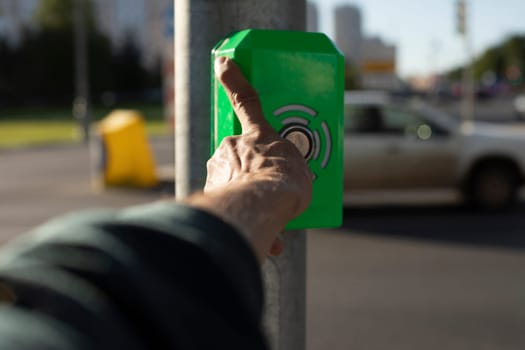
301,122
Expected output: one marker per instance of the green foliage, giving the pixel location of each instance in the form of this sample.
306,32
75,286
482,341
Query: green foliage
456,73
498,60
41,69
491,60
55,14
58,14
125,63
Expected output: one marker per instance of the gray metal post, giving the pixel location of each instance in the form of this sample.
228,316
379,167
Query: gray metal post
199,25
468,86
196,31
80,44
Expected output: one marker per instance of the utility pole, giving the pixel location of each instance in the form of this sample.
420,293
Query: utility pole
80,44
468,88
198,27
196,31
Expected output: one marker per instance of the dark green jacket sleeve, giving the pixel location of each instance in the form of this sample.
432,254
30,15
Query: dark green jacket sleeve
162,276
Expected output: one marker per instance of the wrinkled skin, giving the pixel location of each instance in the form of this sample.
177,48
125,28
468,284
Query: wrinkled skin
266,179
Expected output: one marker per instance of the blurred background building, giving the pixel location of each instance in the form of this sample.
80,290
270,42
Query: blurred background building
371,61
378,65
348,32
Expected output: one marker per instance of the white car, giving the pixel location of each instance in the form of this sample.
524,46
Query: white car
413,146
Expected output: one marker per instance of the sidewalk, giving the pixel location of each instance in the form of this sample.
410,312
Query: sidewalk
39,183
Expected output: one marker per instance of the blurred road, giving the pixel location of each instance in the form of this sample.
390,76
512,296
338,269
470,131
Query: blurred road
487,110
410,277
39,183
425,277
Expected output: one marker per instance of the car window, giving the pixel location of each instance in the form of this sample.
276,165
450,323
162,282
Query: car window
410,124
389,120
396,120
363,119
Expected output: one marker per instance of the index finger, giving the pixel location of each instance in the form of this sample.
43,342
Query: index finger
242,95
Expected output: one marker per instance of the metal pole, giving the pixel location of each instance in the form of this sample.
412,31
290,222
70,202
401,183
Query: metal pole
199,25
80,44
468,86
196,31
469,93
285,282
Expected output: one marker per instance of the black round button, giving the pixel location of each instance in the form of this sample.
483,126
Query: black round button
301,137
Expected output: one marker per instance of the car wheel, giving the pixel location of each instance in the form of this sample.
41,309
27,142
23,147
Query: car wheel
493,187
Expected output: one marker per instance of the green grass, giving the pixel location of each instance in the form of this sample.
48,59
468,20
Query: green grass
31,132
37,126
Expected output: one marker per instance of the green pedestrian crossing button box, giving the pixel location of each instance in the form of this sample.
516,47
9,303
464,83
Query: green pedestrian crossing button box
300,80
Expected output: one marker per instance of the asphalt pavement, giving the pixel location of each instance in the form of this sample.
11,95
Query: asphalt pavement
497,110
418,277
425,276
38,183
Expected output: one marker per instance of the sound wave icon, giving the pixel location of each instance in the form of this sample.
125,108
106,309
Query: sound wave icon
297,124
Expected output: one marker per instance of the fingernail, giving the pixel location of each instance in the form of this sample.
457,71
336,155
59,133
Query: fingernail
220,63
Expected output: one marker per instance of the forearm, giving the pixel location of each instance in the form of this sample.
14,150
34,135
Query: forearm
253,209
257,181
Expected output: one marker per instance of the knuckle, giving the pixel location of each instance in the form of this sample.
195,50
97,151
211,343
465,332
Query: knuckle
229,141
256,135
241,99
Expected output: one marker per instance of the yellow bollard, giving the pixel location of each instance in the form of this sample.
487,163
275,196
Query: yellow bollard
126,157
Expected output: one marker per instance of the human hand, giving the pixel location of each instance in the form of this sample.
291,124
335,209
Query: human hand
259,154
262,180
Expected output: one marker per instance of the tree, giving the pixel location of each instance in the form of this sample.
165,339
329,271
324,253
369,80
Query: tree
514,58
6,70
41,68
508,56
45,60
490,61
127,67
57,15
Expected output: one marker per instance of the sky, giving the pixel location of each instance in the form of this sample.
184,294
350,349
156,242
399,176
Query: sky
424,31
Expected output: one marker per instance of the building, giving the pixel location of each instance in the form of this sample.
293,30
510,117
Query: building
374,59
348,32
378,65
